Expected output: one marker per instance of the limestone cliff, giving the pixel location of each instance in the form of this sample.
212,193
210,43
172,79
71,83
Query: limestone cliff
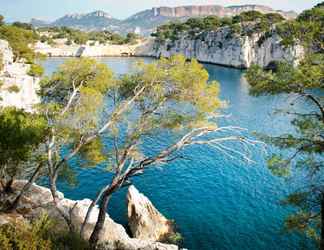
17,87
216,10
226,48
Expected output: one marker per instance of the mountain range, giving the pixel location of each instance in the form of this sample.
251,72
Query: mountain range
146,21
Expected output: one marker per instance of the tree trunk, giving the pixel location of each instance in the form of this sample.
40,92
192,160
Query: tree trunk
322,223
53,188
92,205
8,186
101,219
27,186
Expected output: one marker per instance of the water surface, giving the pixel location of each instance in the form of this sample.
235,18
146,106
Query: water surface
217,203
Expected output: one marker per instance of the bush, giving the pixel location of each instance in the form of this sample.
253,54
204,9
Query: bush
39,235
1,61
13,89
19,40
23,236
36,70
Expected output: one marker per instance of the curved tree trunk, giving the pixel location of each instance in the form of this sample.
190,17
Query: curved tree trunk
101,219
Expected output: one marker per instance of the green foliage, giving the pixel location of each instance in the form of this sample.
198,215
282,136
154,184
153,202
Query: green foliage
23,236
36,70
39,235
1,20
13,89
307,28
305,146
19,40
174,238
82,37
25,26
1,61
131,38
248,16
193,26
20,134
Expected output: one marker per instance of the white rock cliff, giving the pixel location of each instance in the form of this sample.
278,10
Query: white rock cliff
15,74
225,48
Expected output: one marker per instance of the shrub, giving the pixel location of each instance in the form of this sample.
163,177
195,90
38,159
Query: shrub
68,42
19,40
39,235
36,70
13,89
1,61
23,236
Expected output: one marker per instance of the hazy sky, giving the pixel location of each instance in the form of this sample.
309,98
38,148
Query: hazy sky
23,10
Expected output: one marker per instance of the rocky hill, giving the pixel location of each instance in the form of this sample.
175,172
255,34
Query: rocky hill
217,10
97,20
146,21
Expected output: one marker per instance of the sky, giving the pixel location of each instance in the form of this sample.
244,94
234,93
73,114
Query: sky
49,10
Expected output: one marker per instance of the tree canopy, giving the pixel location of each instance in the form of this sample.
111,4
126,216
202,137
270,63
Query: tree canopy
21,134
19,39
306,143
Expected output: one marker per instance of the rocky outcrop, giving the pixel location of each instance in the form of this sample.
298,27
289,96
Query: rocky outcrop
18,88
145,221
143,48
38,200
226,48
216,10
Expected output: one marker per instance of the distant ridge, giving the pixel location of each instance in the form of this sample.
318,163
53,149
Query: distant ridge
146,21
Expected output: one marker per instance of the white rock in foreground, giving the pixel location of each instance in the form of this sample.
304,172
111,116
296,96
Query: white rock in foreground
113,236
145,221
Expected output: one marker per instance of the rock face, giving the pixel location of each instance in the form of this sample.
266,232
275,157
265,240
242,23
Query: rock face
38,200
15,74
145,221
217,10
225,48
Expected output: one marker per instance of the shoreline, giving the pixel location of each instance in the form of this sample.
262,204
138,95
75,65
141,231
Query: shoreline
153,57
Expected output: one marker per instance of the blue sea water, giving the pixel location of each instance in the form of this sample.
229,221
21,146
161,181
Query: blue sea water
216,202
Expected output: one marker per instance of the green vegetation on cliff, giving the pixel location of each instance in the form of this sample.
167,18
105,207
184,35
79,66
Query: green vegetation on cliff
194,26
81,37
19,36
307,28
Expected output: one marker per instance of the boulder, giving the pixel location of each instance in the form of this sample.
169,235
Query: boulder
38,200
145,221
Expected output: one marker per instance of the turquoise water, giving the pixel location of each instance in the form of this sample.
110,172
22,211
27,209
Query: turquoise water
217,203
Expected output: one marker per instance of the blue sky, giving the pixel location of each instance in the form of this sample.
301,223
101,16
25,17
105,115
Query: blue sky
23,10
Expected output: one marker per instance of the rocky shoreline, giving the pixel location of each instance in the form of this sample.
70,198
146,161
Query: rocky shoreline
220,47
38,200
223,47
